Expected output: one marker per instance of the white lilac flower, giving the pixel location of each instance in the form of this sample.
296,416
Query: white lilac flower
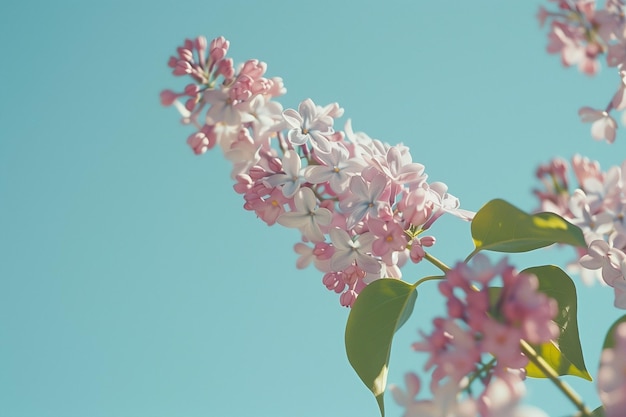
307,217
290,178
337,168
347,251
364,199
309,124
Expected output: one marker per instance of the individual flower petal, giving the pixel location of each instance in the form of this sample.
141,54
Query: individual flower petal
603,126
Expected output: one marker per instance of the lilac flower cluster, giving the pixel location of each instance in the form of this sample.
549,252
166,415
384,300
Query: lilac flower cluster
361,205
598,206
581,33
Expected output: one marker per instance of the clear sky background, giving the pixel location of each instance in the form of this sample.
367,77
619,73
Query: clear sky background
132,282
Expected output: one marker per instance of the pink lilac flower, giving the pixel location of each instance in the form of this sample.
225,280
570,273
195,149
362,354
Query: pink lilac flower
417,206
445,202
477,324
567,41
390,237
581,33
501,399
319,254
399,167
243,153
267,208
223,110
598,207
603,126
445,401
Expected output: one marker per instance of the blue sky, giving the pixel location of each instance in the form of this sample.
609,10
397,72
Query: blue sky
132,283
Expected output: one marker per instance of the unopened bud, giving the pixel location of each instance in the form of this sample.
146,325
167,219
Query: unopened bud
182,68
190,104
192,90
185,54
200,43
168,97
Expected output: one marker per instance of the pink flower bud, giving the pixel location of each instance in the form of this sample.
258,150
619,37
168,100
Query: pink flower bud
456,309
209,131
218,49
226,68
244,183
240,91
275,164
192,90
323,251
198,142
427,241
348,298
200,43
185,54
182,68
332,282
172,62
168,97
257,172
417,252
190,104
254,68
261,86
542,15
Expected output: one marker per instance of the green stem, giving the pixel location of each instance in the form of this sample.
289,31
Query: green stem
429,278
549,372
484,369
471,255
444,268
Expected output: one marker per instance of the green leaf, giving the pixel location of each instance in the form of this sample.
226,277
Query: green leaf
381,309
609,339
501,227
564,354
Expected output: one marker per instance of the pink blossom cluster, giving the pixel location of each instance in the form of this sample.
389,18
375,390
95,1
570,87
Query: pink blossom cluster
481,334
598,206
503,398
580,32
612,375
360,205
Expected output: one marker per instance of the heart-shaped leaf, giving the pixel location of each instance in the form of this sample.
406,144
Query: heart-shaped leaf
564,354
381,309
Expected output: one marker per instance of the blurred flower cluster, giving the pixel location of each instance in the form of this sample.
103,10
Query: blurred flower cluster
479,340
597,204
581,33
